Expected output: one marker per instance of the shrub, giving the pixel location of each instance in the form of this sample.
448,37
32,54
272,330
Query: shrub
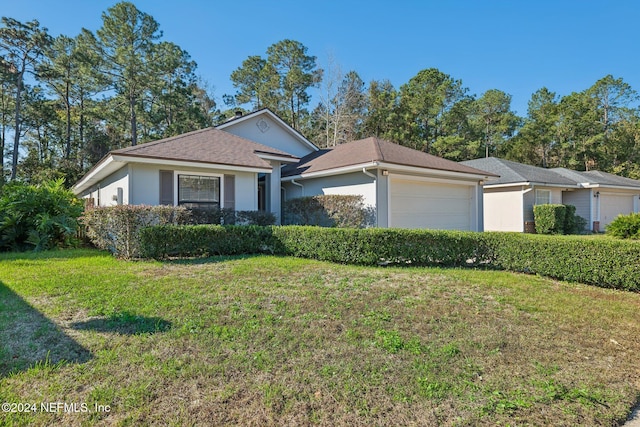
605,263
38,217
117,228
329,211
625,226
558,219
549,219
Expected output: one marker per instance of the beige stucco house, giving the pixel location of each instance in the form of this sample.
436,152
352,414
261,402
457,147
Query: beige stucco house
599,197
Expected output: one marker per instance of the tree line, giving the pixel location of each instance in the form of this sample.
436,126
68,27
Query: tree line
66,101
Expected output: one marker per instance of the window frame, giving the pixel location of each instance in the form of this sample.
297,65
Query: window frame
538,193
176,184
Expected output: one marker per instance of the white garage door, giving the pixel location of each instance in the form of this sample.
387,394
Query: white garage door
418,204
612,205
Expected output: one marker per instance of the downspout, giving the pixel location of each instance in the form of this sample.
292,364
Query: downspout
375,178
369,174
293,181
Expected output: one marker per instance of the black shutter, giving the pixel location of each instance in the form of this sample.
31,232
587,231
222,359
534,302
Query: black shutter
166,188
229,192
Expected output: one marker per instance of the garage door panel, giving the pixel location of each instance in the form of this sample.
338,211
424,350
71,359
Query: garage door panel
417,204
612,205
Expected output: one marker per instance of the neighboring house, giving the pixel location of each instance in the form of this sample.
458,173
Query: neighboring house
407,188
599,197
251,162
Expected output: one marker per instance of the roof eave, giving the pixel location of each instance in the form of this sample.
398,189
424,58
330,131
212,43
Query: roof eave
530,184
332,171
391,166
436,172
102,169
192,163
279,158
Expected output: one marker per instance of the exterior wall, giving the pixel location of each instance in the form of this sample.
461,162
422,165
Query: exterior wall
104,193
145,185
503,210
529,200
272,135
581,199
356,183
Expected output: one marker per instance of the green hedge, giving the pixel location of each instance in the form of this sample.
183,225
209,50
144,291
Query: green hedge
206,240
600,262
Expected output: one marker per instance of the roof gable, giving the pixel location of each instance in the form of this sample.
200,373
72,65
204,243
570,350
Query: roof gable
265,127
373,150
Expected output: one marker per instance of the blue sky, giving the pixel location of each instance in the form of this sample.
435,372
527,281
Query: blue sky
515,46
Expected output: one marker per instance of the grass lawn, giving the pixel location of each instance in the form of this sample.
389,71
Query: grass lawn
284,341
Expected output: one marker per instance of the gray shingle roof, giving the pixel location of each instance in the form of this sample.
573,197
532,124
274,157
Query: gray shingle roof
373,150
604,178
514,172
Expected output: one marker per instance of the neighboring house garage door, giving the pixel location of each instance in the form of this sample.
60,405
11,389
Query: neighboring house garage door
612,205
420,204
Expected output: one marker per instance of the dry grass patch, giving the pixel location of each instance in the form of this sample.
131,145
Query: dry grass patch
283,341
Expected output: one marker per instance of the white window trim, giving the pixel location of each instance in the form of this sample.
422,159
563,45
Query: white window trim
192,173
538,191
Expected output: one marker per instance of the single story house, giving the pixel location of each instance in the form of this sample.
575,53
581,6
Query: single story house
253,161
599,197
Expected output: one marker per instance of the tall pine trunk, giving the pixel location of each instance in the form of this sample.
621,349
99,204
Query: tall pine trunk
16,136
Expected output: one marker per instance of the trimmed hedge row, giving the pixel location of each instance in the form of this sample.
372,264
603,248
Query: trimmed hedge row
600,262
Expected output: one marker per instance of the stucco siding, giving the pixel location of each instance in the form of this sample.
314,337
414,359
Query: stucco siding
106,192
347,184
503,210
265,130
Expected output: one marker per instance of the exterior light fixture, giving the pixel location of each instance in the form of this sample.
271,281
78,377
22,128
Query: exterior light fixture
385,172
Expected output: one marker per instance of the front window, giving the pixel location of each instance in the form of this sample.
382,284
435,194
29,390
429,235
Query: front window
196,191
543,197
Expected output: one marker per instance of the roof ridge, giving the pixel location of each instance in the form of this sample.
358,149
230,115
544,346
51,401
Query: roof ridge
508,164
163,140
378,148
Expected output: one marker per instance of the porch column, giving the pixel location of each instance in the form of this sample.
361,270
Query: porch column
273,183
